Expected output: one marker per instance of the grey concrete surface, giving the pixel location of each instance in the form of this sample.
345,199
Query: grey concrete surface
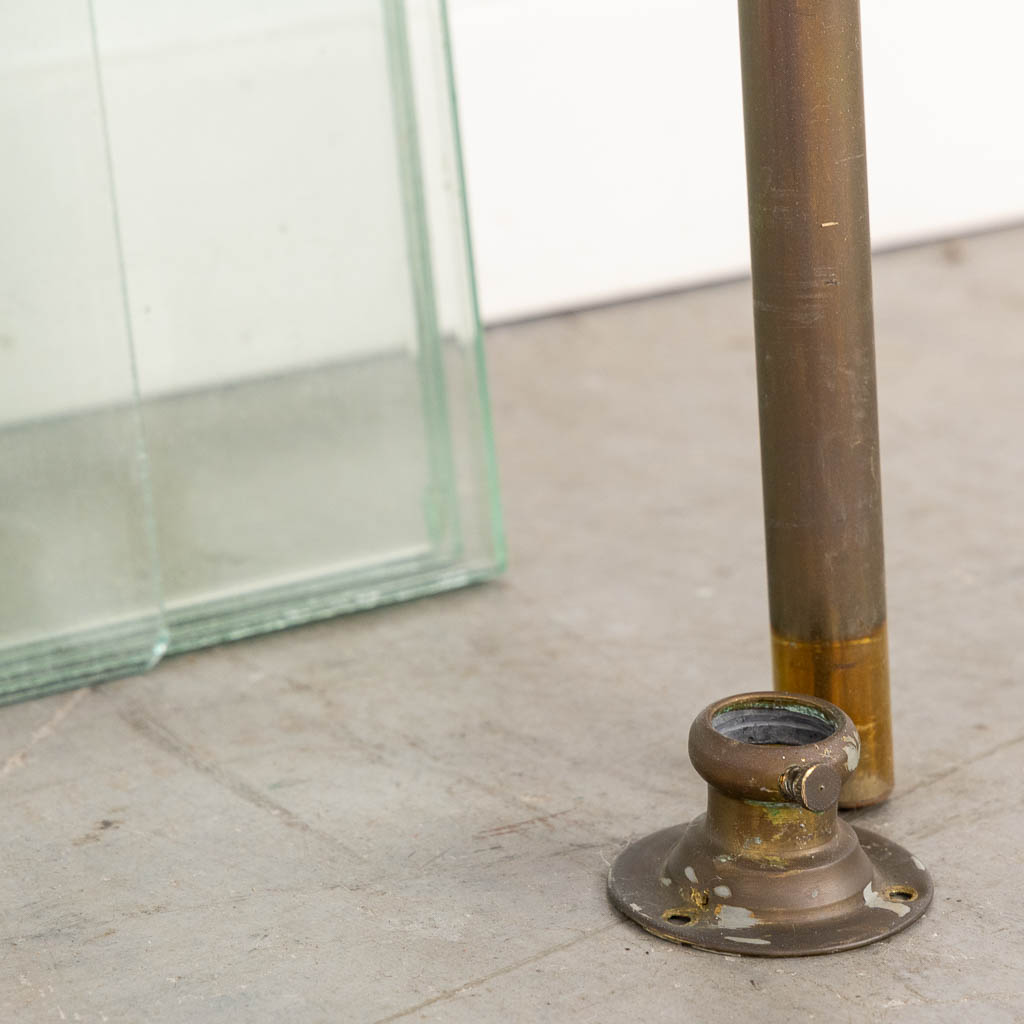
408,814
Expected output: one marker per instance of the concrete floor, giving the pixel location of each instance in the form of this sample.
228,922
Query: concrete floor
408,814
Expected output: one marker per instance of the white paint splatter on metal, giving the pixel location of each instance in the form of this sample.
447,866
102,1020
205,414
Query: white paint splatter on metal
918,864
722,890
691,875
744,938
874,899
666,881
635,906
736,917
852,753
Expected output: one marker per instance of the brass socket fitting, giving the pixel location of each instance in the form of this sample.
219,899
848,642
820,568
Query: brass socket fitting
771,869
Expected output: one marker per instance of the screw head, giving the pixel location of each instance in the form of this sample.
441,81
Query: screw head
817,787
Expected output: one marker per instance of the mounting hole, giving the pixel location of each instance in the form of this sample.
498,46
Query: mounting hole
678,916
901,894
791,724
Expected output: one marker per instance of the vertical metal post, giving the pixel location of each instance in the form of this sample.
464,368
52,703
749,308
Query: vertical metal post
811,260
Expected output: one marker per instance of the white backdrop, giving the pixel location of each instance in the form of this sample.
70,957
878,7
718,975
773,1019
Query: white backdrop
604,139
255,167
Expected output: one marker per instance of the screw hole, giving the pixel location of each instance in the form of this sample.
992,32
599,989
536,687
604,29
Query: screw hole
678,916
901,894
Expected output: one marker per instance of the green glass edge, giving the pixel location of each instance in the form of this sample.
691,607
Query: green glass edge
497,515
444,528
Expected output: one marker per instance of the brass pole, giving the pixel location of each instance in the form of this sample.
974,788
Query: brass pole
811,260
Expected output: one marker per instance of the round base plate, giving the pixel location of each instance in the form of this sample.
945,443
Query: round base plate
636,889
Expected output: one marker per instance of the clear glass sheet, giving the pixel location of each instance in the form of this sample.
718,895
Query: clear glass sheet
300,291
317,443
78,588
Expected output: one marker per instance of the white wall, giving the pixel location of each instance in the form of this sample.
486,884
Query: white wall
260,210
604,139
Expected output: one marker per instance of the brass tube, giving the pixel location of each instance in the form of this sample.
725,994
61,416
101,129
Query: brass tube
811,262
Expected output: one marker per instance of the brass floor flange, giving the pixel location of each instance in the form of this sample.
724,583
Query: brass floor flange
771,869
